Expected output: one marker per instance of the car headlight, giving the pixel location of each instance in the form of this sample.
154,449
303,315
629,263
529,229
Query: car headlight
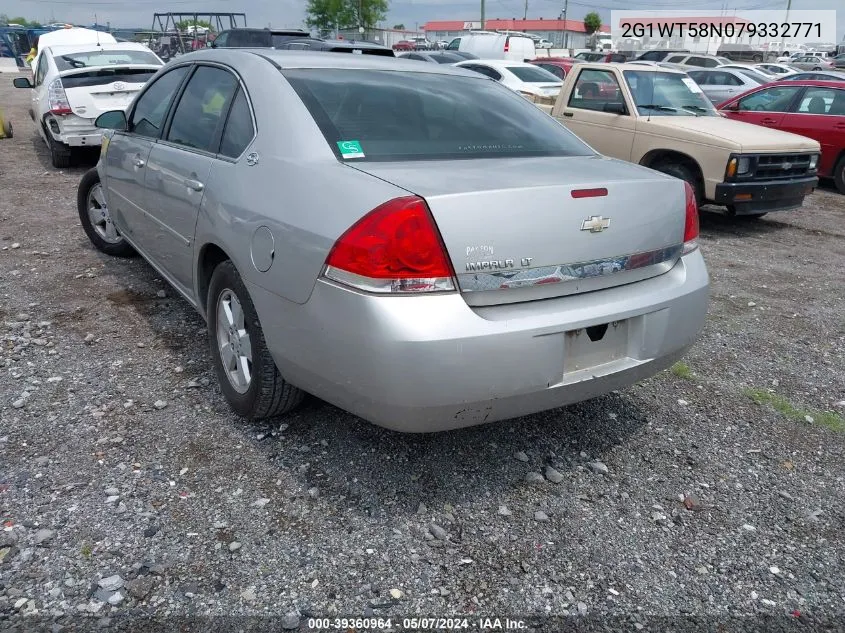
814,161
743,165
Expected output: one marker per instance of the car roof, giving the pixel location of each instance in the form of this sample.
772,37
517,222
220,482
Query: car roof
498,63
313,59
638,67
271,31
819,83
64,49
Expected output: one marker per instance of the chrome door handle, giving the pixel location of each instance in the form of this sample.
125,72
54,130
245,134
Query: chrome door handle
139,162
196,185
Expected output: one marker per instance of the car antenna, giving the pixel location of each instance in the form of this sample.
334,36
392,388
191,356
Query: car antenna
651,97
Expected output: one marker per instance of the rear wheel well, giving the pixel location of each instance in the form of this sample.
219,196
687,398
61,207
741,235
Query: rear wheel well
210,256
656,157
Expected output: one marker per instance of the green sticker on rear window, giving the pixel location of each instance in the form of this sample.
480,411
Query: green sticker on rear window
350,149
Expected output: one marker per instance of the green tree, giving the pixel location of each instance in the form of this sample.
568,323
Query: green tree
327,15
592,22
184,24
19,20
399,27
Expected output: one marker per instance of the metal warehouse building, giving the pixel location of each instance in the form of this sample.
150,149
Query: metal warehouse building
552,30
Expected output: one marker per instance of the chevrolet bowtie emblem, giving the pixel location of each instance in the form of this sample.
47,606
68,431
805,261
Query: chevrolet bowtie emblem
595,224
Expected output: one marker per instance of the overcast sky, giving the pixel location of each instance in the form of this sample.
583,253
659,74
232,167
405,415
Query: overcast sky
138,13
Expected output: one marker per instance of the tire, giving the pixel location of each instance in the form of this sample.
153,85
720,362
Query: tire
265,394
817,68
95,218
839,174
60,154
757,58
682,171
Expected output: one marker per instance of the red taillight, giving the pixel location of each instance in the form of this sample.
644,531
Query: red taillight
507,44
393,249
57,99
691,223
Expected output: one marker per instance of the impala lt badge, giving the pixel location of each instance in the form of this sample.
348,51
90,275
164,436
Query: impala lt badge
595,224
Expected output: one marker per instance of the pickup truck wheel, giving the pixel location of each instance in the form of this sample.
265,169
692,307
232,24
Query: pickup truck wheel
60,155
758,58
680,170
245,369
96,220
839,175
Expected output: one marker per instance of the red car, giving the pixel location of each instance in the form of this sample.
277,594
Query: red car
558,66
405,45
811,108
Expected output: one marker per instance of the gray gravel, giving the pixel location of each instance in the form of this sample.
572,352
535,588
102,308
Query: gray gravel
127,488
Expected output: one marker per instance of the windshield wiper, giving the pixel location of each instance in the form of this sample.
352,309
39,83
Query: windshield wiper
75,63
654,106
694,108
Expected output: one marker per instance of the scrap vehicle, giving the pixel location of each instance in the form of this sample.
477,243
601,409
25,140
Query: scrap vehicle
174,34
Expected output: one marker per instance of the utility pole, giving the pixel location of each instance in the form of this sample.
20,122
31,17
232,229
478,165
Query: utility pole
565,32
525,13
482,15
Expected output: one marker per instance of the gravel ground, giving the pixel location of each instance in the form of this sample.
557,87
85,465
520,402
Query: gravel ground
128,489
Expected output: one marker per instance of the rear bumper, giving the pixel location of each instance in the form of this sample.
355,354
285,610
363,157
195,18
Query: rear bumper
75,131
421,364
769,195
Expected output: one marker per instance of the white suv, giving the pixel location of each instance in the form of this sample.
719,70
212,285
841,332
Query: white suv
75,83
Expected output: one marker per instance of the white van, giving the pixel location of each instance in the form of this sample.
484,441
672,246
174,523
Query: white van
495,46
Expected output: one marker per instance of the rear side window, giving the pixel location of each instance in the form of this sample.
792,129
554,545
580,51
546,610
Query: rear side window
532,74
676,59
148,115
239,131
557,71
373,115
202,107
247,39
485,70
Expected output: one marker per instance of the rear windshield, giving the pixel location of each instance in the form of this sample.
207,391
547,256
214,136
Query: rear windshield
533,75
375,115
105,76
94,59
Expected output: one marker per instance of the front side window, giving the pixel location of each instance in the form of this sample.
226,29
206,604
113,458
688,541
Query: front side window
148,116
594,89
202,107
454,45
697,61
668,94
409,116
775,99
724,79
41,70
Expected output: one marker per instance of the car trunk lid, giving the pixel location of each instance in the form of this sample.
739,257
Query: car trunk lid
92,91
520,229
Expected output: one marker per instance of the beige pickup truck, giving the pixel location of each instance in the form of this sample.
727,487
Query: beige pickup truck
660,118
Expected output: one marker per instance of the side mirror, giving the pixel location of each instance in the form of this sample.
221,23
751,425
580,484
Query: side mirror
615,108
113,120
21,82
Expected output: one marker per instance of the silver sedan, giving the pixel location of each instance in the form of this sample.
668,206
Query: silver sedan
414,243
720,84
